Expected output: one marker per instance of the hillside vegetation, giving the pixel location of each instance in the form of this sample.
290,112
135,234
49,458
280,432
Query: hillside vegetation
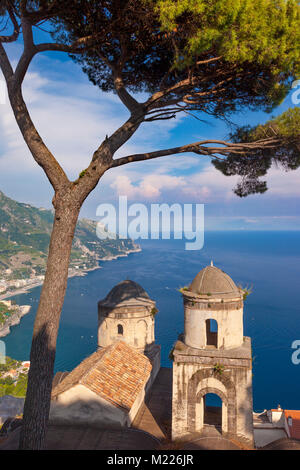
25,235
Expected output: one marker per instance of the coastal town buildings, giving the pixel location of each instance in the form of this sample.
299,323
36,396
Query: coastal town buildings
9,286
272,425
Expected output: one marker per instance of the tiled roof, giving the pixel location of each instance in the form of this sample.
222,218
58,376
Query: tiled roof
117,373
295,427
59,376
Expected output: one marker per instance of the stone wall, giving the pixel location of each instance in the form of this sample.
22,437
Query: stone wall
138,328
195,375
79,405
229,318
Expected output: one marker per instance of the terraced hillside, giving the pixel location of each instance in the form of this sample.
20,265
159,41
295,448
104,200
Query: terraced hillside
25,234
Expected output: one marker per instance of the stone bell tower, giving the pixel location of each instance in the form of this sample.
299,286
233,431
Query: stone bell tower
212,358
127,313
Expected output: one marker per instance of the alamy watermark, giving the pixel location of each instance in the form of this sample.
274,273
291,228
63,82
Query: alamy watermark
139,221
296,354
296,93
2,352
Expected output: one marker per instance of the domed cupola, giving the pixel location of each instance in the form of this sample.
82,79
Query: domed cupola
127,294
213,311
215,283
126,313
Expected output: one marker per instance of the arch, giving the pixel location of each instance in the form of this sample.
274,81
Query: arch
195,412
213,390
213,408
213,383
120,329
211,328
201,408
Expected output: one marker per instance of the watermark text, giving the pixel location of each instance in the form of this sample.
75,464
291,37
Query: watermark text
296,354
139,221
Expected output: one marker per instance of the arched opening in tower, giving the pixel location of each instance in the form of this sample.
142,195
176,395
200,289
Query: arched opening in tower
120,330
211,333
212,410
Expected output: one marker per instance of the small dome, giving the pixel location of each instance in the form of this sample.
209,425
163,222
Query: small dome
126,293
214,282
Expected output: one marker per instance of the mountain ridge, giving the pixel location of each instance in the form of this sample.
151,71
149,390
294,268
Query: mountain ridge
25,233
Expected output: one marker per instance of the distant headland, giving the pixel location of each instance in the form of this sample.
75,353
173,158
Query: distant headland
24,240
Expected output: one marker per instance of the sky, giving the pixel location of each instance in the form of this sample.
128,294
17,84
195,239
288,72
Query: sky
73,117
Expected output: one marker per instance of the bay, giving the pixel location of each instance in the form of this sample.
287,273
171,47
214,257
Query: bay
269,262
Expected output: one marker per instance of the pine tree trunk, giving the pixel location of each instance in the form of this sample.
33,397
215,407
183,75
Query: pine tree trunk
42,355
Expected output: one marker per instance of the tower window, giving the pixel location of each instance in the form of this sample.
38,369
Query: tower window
120,330
211,333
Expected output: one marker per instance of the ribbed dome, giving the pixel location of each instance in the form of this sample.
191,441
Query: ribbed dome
213,281
126,293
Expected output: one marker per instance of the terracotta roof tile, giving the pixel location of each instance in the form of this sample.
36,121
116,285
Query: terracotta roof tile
117,373
295,424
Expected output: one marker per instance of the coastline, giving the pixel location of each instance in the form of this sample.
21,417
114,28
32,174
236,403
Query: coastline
14,319
122,255
22,310
73,273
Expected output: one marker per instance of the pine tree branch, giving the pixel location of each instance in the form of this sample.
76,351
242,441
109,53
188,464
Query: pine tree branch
14,36
201,148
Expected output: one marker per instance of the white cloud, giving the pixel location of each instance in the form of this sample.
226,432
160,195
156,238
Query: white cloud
205,186
284,183
73,118
149,188
210,185
248,220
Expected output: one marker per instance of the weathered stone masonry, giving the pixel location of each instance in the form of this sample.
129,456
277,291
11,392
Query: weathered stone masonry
208,361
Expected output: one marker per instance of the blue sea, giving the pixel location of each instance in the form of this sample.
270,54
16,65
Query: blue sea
269,262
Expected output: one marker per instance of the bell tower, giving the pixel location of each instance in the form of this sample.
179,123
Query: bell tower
127,313
212,361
